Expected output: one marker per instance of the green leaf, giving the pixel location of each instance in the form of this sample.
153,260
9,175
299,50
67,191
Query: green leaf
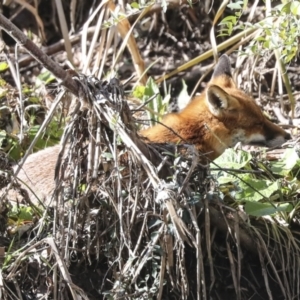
151,87
285,8
236,5
229,19
45,77
233,159
284,166
21,213
157,104
27,90
295,8
255,189
260,39
2,82
230,159
3,66
107,155
139,92
135,5
262,209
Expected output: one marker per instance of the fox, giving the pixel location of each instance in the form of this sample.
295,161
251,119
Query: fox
219,118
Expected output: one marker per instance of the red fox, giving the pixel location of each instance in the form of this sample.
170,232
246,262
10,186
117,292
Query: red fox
221,117
218,119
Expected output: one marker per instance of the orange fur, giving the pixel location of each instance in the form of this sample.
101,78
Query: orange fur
222,116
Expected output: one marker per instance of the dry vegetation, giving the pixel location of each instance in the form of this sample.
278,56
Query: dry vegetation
128,220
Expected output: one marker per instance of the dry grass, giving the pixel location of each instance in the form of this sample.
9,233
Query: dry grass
144,233
129,220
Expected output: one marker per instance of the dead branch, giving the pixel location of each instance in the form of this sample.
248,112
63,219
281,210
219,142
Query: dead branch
39,55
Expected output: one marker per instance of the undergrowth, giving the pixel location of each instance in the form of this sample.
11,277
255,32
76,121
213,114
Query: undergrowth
224,231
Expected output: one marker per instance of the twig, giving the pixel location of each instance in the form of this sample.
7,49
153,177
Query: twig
41,57
54,48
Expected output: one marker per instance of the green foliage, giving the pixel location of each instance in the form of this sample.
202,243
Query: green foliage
115,19
264,193
3,66
233,160
139,92
3,88
228,23
34,113
16,150
279,30
135,7
260,195
155,103
44,77
21,213
50,137
287,163
237,5
251,189
131,9
20,218
259,209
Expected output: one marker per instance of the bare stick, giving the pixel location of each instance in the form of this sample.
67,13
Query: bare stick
41,57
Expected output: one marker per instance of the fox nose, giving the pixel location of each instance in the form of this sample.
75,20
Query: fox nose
287,136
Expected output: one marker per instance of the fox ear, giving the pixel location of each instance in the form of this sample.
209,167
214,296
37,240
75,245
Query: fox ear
219,101
223,67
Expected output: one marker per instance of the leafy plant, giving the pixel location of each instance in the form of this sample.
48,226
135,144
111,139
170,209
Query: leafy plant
33,113
280,29
287,163
150,95
260,195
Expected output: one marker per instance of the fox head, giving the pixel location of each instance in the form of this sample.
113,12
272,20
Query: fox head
219,118
238,112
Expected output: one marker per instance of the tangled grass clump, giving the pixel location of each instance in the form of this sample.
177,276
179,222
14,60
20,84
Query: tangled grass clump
131,220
